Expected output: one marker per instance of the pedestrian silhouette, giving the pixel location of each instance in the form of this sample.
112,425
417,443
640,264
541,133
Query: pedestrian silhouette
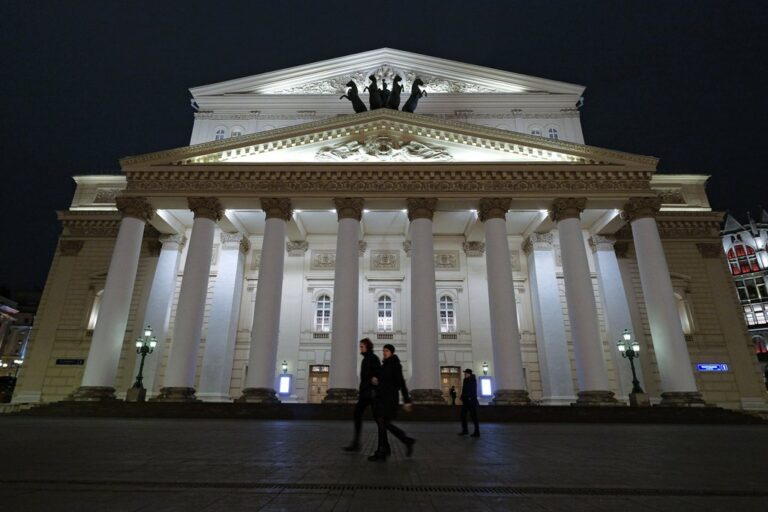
452,392
369,368
469,403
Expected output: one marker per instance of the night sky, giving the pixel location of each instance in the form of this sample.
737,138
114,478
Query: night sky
85,83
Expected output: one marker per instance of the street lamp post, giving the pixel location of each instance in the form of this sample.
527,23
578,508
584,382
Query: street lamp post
630,349
144,345
17,366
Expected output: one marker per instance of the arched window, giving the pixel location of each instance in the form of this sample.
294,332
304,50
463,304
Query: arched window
221,132
761,345
237,131
323,314
742,260
536,131
552,132
94,315
384,319
447,314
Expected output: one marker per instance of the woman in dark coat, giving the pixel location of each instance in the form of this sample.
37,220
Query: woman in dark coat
388,385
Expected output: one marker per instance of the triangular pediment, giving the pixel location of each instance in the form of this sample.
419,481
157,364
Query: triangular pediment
388,136
441,76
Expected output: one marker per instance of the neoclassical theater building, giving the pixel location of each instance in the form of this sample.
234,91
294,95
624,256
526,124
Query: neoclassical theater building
472,230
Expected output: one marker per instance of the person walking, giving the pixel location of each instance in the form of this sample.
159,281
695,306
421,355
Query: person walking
388,385
469,403
452,393
369,368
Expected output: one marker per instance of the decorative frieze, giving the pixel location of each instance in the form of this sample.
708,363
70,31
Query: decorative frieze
323,260
538,242
671,197
70,247
90,224
385,260
297,248
277,208
473,249
641,207
349,207
235,241
494,208
446,260
421,208
136,207
106,195
567,208
206,207
382,148
601,243
674,226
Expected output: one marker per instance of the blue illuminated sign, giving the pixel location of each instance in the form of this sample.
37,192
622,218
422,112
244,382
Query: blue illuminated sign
712,367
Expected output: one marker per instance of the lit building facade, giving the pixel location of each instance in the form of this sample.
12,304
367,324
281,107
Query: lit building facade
480,232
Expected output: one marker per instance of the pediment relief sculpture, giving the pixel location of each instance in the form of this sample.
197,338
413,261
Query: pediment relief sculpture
383,148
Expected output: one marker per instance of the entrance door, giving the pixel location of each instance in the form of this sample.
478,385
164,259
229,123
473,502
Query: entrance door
450,376
318,382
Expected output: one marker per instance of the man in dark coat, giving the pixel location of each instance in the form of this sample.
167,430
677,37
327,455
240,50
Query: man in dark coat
389,384
452,392
369,368
469,403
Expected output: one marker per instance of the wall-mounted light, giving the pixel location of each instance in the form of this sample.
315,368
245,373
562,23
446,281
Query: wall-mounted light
485,368
284,366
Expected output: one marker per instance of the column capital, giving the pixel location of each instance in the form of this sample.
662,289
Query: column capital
407,247
711,250
641,207
474,249
297,248
136,207
601,243
177,239
349,207
538,241
70,247
277,208
421,208
567,208
494,208
362,246
206,207
235,241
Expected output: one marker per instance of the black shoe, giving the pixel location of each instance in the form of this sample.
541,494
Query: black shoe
409,446
463,433
354,447
475,434
377,457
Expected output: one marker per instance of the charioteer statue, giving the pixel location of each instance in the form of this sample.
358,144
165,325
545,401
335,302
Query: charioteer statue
383,97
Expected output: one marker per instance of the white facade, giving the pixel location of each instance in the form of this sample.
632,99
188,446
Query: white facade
452,233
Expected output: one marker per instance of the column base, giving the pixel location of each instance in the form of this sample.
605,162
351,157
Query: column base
341,396
258,396
428,396
511,397
557,400
214,397
92,394
596,399
136,395
176,394
682,399
639,400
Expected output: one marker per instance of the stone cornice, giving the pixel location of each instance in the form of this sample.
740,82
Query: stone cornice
349,208
704,226
567,208
385,119
493,208
90,224
415,180
277,208
421,208
206,208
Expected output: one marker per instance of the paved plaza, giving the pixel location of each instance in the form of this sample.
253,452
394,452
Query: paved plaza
90,464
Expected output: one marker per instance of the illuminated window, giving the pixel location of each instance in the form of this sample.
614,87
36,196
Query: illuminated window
323,314
384,320
755,315
553,133
221,132
237,131
761,346
95,310
742,260
447,314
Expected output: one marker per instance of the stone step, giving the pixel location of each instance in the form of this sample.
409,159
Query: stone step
501,413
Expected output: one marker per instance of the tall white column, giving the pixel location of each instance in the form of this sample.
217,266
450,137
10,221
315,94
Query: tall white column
582,309
109,333
551,345
179,382
262,363
425,364
342,385
218,357
615,308
505,333
677,381
158,312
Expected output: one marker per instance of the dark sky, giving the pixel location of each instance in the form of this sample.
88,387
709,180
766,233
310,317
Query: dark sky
85,83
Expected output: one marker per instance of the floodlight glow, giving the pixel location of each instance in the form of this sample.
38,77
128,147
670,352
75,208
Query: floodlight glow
622,347
486,388
636,347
